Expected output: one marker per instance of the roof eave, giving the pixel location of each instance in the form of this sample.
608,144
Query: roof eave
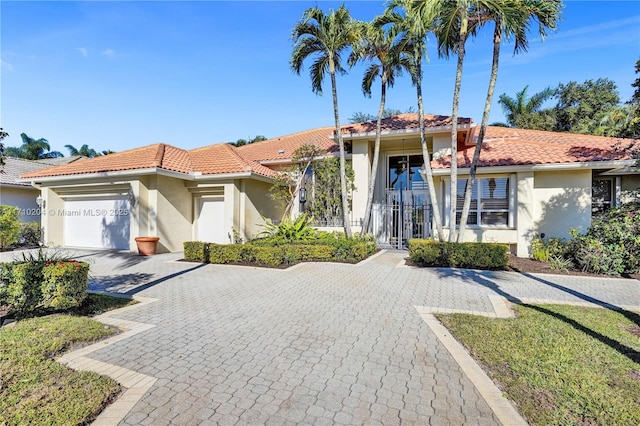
614,164
409,131
111,174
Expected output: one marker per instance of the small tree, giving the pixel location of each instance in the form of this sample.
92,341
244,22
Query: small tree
325,203
9,226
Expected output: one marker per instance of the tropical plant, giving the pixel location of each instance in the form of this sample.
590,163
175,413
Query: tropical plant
510,18
3,135
523,111
242,142
9,226
325,200
326,38
84,151
32,149
298,229
579,103
379,46
414,20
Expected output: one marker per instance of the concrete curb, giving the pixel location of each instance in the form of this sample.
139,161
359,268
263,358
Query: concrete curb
502,408
137,384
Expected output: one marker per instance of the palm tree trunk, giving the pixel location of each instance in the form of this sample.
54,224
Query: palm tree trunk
497,36
343,179
453,193
376,155
426,158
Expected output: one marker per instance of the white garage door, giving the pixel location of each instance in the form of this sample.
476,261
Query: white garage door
97,223
210,226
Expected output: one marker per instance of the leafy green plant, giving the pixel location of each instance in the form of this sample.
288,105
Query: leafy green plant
459,255
196,251
64,284
30,234
539,250
298,229
560,263
9,226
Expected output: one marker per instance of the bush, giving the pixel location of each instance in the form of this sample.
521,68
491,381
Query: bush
64,284
269,256
196,251
460,255
30,234
9,226
45,280
227,253
612,243
539,250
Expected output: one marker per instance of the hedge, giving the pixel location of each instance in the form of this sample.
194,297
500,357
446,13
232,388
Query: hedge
280,254
459,255
32,285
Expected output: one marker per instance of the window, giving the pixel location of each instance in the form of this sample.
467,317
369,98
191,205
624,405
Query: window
491,202
602,195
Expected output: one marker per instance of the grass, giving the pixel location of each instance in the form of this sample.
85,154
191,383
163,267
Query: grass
34,388
561,365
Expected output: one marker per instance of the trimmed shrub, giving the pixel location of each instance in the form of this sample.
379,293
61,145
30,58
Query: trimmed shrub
64,284
9,226
196,251
459,255
269,256
226,253
24,290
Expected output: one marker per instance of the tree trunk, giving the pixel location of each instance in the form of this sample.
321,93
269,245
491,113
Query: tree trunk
376,155
343,178
453,193
497,36
435,207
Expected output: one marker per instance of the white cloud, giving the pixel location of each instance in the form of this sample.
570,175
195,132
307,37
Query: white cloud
6,65
83,51
109,53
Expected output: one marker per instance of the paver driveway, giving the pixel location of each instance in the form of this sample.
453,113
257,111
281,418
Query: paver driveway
315,344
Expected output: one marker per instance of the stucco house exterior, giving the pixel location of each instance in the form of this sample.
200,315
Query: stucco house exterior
529,182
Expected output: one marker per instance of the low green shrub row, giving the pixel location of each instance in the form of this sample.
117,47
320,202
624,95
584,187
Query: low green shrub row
279,254
31,285
459,255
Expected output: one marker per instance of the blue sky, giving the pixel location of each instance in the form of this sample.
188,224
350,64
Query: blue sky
117,75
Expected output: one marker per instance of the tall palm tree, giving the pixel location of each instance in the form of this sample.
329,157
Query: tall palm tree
32,149
326,38
518,110
452,31
381,47
84,151
415,20
510,18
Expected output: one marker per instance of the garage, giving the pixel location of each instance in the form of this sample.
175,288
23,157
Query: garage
210,225
97,223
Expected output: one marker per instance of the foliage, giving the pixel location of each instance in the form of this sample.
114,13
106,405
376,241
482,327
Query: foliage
229,253
325,201
561,365
9,226
243,142
84,151
298,229
525,112
32,149
30,234
539,250
289,181
3,135
196,251
36,389
42,281
363,117
64,284
578,104
560,263
458,255
612,243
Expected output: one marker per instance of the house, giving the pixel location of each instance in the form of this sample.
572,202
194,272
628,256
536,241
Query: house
14,192
529,183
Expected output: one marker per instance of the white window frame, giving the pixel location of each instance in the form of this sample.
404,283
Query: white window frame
512,202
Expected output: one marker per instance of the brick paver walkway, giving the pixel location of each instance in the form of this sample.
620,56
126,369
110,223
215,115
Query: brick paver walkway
316,344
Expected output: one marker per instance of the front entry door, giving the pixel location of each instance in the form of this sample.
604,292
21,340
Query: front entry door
408,213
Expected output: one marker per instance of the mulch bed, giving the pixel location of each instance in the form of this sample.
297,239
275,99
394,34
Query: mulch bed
526,265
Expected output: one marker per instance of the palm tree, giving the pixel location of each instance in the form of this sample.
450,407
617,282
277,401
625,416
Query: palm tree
84,151
519,110
510,18
32,149
452,31
326,37
379,46
415,21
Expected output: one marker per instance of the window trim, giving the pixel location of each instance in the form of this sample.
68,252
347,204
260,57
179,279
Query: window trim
511,216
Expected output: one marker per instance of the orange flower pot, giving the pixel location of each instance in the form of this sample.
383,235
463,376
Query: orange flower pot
147,245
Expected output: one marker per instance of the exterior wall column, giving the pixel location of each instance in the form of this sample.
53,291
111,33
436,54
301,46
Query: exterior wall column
361,164
525,224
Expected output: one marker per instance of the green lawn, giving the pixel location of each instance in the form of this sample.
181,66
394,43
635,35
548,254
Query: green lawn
34,388
561,365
